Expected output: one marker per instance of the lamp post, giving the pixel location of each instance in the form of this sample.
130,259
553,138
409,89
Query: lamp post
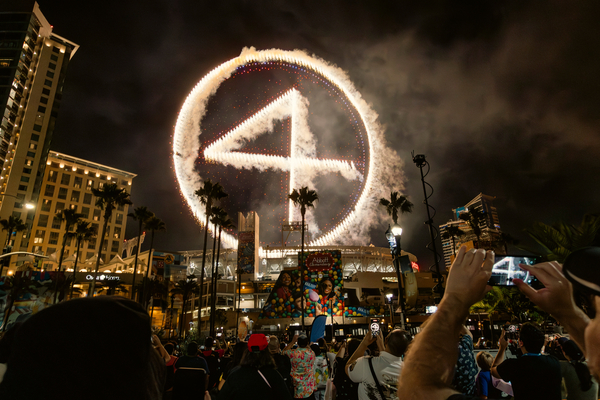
393,236
28,205
389,297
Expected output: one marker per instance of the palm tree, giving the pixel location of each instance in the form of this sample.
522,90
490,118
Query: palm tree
185,288
157,288
475,219
451,232
217,213
558,240
222,220
108,198
112,287
208,194
11,225
70,217
18,286
141,215
62,286
396,203
303,198
84,231
154,224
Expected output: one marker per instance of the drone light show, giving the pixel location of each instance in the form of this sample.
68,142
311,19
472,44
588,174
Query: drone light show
269,121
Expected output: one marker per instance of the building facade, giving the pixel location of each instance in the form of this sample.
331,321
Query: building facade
33,64
491,233
67,183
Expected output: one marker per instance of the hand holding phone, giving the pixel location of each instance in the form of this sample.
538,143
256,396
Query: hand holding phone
506,268
375,327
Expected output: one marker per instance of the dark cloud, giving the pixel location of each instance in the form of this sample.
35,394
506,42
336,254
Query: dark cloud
502,97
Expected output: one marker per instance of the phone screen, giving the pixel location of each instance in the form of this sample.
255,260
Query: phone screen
375,327
506,268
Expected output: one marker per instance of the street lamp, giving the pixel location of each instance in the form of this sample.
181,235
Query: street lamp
393,236
28,205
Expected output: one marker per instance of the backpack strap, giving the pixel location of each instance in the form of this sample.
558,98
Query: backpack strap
265,379
375,378
328,365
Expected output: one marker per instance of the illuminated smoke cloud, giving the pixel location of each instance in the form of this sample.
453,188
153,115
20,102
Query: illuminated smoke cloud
384,164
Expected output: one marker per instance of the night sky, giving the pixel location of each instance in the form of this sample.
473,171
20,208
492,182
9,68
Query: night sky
501,96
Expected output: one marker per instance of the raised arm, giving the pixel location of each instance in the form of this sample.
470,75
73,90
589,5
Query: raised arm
503,344
161,350
291,343
429,365
360,351
342,351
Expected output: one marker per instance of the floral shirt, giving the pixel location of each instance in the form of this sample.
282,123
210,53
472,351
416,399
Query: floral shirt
321,372
303,371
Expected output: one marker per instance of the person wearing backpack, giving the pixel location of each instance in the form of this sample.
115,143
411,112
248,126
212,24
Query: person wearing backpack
367,371
578,380
283,363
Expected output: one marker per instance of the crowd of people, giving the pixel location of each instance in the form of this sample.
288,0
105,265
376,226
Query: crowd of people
100,348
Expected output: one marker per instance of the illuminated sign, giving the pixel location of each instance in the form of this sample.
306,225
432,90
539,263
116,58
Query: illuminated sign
102,277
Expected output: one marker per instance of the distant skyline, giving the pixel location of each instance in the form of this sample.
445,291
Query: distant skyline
500,96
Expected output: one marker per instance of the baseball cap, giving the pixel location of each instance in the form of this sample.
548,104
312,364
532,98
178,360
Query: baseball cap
581,268
257,342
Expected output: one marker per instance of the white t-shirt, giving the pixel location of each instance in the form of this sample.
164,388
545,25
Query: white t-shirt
360,373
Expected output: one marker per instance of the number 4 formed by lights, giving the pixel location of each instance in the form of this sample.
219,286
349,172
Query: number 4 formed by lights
302,162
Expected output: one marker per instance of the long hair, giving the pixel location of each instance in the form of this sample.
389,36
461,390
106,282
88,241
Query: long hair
258,359
238,353
576,360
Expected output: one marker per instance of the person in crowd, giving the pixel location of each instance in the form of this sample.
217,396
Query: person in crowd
303,366
83,353
366,371
430,362
329,357
578,381
484,386
283,363
256,378
532,375
213,360
345,388
334,350
321,371
193,360
239,350
465,370
170,367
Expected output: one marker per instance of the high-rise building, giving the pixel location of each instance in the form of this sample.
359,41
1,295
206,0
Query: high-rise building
490,237
67,183
33,63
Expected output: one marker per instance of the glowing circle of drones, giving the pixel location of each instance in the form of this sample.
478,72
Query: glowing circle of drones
186,142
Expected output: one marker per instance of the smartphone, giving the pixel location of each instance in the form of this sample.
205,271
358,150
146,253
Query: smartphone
375,327
506,268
